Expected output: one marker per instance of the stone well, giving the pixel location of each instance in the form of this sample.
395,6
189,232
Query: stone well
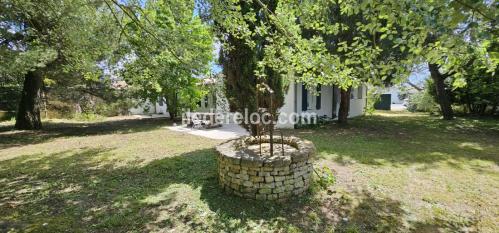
243,172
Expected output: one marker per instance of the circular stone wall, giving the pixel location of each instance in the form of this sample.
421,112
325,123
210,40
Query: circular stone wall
243,172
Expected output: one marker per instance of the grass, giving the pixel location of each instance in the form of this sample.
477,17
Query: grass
395,172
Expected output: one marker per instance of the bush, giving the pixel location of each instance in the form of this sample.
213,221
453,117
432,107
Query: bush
317,122
9,97
87,117
422,102
6,116
119,107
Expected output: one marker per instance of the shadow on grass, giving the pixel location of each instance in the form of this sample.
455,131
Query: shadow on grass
407,139
79,190
10,138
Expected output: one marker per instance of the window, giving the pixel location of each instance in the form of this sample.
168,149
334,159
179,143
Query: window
160,101
318,97
206,101
310,101
304,98
360,92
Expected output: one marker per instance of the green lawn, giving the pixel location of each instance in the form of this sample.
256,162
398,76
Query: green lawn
397,172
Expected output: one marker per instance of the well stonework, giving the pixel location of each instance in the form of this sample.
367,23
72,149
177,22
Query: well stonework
243,172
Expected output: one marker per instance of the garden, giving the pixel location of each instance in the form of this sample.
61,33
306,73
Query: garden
394,172
111,116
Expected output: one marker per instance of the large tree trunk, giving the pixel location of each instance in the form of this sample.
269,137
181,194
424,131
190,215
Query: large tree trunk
28,113
344,106
442,97
172,105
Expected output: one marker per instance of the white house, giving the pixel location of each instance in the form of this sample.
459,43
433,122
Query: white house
299,100
147,108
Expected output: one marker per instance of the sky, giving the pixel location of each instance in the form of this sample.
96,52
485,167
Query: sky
215,68
419,75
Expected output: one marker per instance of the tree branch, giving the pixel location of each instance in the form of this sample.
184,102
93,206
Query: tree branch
475,9
137,22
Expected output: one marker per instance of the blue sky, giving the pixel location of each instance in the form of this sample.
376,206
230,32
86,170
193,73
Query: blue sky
215,68
420,74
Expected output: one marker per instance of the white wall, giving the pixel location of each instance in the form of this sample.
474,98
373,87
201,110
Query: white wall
326,101
395,92
358,105
153,109
288,108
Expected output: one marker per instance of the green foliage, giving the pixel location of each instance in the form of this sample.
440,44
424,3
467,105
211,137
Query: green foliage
130,173
324,177
169,48
455,34
349,42
90,117
244,29
5,116
53,42
423,101
9,97
117,107
320,121
480,92
342,43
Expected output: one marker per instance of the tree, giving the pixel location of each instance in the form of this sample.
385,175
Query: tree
346,43
41,41
168,49
443,33
245,77
448,34
480,93
363,36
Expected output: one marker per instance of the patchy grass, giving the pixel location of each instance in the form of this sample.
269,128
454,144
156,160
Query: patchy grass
396,172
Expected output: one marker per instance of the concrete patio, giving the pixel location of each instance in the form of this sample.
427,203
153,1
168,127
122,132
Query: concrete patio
227,131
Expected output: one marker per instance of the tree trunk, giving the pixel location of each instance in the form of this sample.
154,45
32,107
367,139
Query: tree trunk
171,105
442,97
28,113
344,106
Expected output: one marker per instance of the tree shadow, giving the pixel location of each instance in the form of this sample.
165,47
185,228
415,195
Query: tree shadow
402,140
82,190
441,225
53,130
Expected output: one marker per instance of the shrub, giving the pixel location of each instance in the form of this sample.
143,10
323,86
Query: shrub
119,107
87,117
423,101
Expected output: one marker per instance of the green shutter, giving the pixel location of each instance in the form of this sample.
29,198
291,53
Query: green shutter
318,102
304,95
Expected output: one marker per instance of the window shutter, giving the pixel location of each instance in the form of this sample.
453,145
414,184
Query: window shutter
206,101
318,98
304,100
360,92
160,101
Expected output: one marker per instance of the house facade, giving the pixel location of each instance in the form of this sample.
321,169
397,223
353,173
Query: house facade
147,108
298,102
323,102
